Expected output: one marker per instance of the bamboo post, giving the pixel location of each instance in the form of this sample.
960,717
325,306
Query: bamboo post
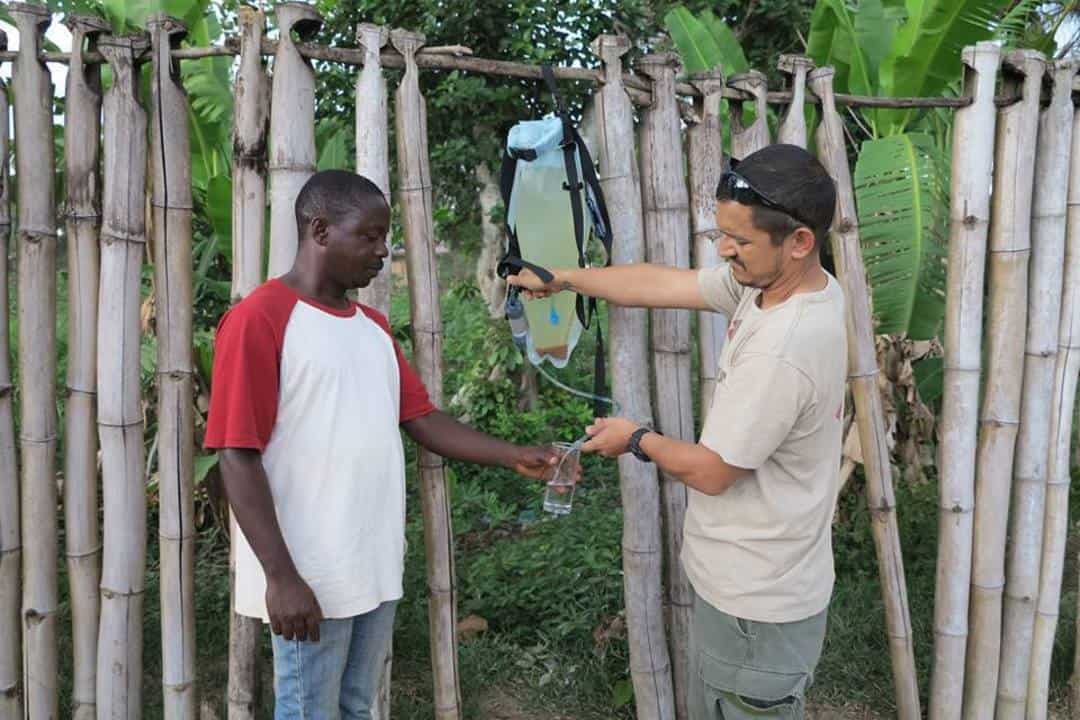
10,532
1055,519
706,160
666,207
869,412
82,535
373,141
414,188
1052,163
171,203
746,139
250,117
120,421
1010,249
792,128
972,161
650,666
36,236
292,129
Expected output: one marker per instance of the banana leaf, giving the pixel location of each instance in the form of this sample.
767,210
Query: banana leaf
901,190
925,55
732,58
698,48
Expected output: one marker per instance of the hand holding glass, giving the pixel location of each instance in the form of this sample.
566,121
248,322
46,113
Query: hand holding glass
559,493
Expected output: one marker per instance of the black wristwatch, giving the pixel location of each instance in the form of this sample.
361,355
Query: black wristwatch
634,445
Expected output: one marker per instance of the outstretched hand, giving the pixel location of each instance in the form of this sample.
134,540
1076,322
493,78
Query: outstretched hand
531,283
609,436
539,462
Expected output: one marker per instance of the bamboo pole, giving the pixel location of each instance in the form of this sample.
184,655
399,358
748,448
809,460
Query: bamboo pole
414,188
82,535
373,162
792,128
973,135
650,665
1010,249
250,124
1052,160
706,160
10,532
869,412
1055,519
292,130
120,422
373,142
250,118
171,203
746,139
666,205
36,235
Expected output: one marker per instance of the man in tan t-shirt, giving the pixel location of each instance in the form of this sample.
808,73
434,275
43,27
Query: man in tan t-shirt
763,479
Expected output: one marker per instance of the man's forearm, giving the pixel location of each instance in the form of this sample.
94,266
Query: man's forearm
443,435
635,285
248,491
694,465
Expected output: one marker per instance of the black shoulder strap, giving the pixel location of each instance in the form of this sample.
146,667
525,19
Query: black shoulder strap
511,259
568,145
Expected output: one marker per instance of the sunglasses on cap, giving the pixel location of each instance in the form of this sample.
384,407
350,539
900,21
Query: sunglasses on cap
734,186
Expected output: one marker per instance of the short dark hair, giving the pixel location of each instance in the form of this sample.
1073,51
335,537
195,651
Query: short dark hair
793,178
332,194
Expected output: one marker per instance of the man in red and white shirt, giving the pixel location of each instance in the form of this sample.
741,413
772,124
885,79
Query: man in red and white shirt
308,392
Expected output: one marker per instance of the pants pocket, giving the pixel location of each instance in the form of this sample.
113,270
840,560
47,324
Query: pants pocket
743,691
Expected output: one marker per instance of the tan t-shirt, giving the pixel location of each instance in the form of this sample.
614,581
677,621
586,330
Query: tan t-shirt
762,550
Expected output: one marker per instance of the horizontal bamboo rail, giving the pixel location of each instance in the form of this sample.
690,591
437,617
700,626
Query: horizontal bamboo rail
456,58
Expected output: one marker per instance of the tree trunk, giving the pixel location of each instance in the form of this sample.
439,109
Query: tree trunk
869,415
492,287
746,139
120,421
792,128
667,242
415,195
972,161
36,234
172,210
10,532
1010,250
82,535
292,130
650,665
373,144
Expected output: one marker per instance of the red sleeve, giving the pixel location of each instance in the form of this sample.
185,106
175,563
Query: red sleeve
244,385
414,401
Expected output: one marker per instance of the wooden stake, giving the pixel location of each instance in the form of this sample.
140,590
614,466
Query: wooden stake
250,117
120,421
869,413
706,159
82,535
1010,249
373,142
667,242
973,135
414,188
250,120
171,203
650,666
746,139
36,235
292,130
10,533
792,128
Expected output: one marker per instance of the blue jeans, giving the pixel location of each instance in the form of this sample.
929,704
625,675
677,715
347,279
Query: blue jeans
338,676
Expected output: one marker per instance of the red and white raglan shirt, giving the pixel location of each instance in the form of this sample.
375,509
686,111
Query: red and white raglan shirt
320,392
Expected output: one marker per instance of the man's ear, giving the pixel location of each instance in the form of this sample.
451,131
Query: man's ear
804,243
319,229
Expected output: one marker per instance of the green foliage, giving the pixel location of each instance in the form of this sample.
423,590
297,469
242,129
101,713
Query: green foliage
902,190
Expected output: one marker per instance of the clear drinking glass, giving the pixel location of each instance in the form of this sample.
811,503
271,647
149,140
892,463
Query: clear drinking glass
559,493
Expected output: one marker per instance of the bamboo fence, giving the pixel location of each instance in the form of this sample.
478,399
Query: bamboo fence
654,215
